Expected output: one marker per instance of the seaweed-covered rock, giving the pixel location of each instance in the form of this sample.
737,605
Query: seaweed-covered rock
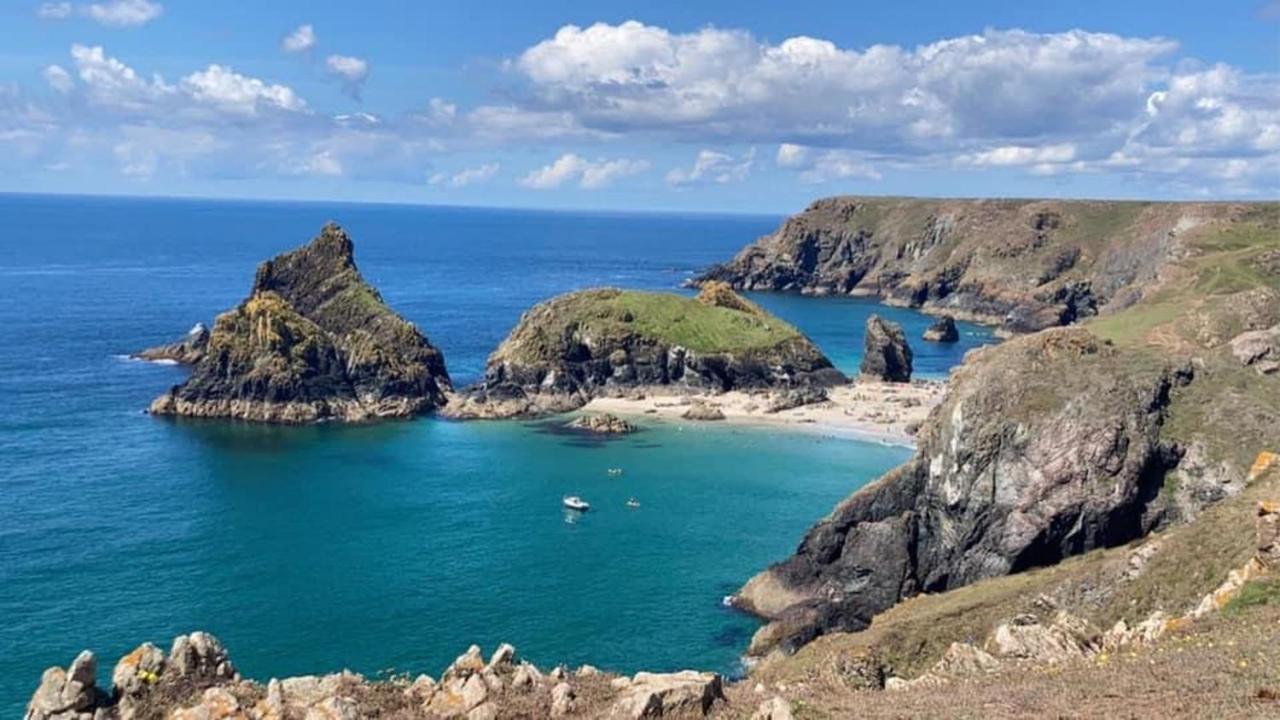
313,341
886,355
576,346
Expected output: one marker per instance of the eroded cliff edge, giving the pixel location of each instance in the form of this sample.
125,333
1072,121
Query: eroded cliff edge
313,341
1060,442
1023,265
573,347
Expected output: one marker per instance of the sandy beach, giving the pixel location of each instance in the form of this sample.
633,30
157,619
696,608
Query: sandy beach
884,412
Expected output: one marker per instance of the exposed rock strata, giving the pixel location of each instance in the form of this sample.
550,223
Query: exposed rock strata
313,341
1044,447
886,354
1022,264
586,344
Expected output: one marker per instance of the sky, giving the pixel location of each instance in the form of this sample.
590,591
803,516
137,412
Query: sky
700,106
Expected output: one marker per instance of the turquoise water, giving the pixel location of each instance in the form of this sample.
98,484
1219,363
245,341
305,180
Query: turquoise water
393,546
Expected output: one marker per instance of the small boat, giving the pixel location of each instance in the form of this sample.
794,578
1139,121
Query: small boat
573,502
615,472
633,503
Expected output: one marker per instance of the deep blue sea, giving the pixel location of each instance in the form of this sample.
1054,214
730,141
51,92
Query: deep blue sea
385,547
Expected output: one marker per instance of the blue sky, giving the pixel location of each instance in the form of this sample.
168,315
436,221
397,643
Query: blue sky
655,105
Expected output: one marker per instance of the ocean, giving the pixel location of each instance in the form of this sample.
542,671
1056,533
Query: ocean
385,548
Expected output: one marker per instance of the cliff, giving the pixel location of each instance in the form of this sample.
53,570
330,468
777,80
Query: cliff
576,346
1057,443
313,341
1024,265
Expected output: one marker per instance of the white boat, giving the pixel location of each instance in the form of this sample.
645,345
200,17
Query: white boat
573,502
633,503
614,472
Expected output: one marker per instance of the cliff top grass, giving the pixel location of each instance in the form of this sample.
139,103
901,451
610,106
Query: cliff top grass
664,317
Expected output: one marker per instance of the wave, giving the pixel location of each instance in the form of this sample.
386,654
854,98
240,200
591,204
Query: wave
132,359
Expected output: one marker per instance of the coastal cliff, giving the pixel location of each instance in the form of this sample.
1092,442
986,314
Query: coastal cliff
577,346
313,341
1057,443
1023,265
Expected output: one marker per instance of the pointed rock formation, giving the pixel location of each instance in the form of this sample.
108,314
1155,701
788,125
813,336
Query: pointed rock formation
885,353
943,330
313,341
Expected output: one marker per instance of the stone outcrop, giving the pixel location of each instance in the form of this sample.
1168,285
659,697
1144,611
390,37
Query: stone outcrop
798,397
312,342
187,351
1024,265
584,344
1259,349
942,330
1046,446
604,424
197,681
703,411
886,355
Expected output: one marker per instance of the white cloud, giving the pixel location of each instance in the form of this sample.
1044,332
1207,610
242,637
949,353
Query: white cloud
714,167
124,13
112,84
54,11
59,79
353,71
322,163
1022,155
232,92
590,175
470,176
831,165
790,155
300,40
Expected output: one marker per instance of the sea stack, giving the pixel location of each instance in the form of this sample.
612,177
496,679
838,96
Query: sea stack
580,345
313,341
943,330
885,353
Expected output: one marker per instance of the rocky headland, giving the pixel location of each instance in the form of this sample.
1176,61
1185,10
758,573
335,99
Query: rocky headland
313,341
592,343
1022,265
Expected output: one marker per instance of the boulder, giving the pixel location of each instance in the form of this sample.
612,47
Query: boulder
138,670
605,424
70,694
664,694
776,708
1259,349
200,656
885,353
502,658
220,704
702,411
563,700
1066,638
1267,527
796,397
187,351
942,330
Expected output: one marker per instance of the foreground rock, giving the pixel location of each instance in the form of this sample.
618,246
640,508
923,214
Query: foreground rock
196,681
591,343
943,330
1044,447
313,341
886,355
1259,349
1022,264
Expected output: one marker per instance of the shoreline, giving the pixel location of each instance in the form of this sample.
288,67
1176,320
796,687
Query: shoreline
882,412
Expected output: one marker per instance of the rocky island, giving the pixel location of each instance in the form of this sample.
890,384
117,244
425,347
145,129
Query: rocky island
590,343
313,341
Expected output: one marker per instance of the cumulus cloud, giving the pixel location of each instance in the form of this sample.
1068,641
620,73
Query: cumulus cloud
352,71
818,165
300,40
59,79
232,92
791,155
714,167
470,176
590,175
125,13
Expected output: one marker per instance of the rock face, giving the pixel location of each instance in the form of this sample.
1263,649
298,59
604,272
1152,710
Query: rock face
313,341
573,347
943,330
1259,349
1046,446
187,351
886,355
1022,264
